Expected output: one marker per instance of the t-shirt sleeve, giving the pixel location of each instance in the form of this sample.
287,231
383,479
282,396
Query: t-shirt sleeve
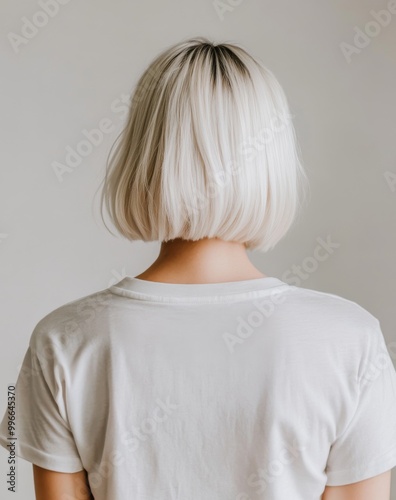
42,434
367,446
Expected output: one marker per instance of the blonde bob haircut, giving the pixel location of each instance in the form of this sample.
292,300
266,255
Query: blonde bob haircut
208,150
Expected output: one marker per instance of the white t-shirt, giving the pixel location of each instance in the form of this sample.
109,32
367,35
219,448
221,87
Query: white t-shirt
223,391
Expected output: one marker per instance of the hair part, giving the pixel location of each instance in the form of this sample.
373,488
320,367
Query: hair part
208,150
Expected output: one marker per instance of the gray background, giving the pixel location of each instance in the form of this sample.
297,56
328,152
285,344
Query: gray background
72,74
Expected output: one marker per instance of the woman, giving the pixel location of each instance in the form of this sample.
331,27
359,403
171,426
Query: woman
203,378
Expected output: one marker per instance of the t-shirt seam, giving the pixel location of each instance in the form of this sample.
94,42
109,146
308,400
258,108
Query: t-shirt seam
358,396
55,361
195,299
359,467
90,296
35,455
339,298
66,460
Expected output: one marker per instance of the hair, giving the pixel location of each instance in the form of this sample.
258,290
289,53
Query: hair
208,151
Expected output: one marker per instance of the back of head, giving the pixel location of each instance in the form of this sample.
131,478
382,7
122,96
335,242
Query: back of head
209,150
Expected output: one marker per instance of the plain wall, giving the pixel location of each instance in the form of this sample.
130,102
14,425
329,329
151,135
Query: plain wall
72,74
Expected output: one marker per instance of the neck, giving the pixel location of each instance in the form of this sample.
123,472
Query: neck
209,260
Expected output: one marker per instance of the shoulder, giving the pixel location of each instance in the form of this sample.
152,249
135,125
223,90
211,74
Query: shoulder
331,307
341,333
333,321
72,321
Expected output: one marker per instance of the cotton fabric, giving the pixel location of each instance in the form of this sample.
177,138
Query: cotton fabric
219,391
